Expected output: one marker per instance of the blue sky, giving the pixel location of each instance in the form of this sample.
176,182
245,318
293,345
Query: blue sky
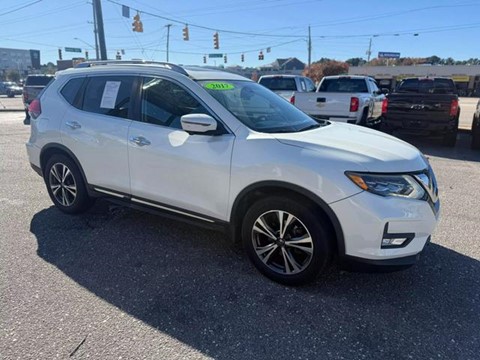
340,29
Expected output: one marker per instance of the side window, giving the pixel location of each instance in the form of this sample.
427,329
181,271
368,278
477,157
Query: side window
71,88
374,86
164,103
303,85
108,95
310,85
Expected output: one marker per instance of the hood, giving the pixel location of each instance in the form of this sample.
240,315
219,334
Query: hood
370,150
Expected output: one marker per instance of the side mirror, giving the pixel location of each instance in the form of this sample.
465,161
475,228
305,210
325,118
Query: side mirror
384,91
198,123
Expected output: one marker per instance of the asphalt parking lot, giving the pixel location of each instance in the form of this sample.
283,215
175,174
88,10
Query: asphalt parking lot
117,283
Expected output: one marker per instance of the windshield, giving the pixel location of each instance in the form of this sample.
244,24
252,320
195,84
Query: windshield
259,108
343,85
427,86
279,83
38,80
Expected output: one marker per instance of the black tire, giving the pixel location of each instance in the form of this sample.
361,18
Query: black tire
65,183
307,222
363,120
475,134
450,139
10,95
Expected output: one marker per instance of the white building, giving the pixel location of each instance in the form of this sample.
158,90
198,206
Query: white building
19,59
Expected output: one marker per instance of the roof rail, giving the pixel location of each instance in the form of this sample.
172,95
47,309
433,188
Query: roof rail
132,62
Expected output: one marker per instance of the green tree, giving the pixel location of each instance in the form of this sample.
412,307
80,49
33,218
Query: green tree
356,61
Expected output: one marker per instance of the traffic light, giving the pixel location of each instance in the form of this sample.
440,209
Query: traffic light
243,58
118,56
185,33
225,59
216,44
59,54
204,59
137,23
86,55
261,56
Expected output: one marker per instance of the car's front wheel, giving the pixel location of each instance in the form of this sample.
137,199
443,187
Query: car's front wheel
286,240
65,185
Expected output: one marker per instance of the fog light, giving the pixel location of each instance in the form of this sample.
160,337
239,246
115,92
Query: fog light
392,240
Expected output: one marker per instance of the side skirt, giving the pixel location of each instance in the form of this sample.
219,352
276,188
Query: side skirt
156,208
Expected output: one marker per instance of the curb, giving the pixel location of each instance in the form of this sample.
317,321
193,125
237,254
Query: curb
12,110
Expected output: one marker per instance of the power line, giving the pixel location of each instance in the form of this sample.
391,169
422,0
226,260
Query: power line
21,7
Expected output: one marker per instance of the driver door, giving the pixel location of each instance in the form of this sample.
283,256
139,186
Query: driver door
170,168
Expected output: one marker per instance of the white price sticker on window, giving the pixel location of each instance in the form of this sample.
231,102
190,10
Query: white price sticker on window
110,92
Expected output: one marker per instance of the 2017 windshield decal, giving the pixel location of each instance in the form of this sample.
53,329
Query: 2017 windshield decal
219,86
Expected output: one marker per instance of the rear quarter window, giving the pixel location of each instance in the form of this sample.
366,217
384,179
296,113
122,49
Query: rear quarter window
71,89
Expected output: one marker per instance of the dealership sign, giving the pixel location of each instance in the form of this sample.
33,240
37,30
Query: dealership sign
388,55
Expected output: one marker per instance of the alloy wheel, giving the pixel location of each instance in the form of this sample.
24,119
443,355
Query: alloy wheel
63,185
282,242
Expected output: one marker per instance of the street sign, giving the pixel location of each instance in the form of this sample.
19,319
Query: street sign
215,55
69,49
388,55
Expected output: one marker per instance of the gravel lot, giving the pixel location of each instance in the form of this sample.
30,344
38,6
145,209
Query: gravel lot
120,284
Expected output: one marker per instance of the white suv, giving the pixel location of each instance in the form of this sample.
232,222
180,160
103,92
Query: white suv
217,149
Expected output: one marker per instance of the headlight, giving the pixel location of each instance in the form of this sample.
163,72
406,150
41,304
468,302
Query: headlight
388,185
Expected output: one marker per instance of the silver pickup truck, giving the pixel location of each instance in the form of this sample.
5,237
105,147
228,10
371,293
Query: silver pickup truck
287,85
352,99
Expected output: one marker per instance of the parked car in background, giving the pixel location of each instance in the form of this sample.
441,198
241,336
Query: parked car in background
287,85
10,89
220,150
351,99
476,128
425,107
32,87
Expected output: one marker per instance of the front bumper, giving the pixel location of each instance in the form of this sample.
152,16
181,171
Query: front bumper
364,218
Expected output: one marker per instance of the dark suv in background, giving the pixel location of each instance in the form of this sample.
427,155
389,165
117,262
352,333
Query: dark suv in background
424,106
32,87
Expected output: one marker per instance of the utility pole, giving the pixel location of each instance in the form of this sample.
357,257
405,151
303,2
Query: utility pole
95,32
168,38
369,51
309,46
101,33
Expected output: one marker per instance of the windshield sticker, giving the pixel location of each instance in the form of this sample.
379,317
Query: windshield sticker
110,92
219,86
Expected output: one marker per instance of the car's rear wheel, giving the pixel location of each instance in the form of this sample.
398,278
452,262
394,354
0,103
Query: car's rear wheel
286,240
65,185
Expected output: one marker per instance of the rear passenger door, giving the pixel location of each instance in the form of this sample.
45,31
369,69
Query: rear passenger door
95,128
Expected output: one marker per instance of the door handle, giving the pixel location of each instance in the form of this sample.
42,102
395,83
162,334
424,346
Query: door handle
140,141
73,125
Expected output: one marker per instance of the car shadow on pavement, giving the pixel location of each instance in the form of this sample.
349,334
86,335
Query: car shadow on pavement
434,147
191,284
